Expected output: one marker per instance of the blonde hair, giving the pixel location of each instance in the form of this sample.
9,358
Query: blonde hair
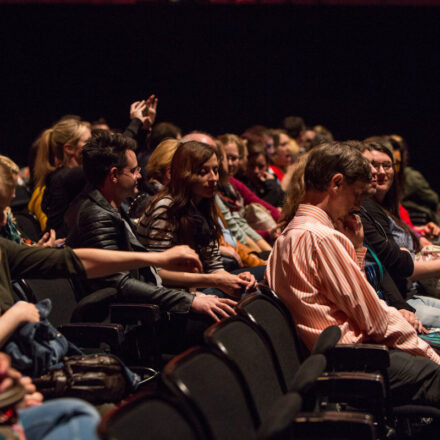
160,159
8,170
50,154
7,162
227,138
296,189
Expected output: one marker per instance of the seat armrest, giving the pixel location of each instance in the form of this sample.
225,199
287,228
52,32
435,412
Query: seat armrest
92,334
358,389
340,424
145,314
358,357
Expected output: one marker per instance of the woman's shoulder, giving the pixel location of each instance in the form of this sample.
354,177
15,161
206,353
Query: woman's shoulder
161,203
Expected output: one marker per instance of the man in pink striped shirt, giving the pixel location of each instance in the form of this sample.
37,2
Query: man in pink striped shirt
316,269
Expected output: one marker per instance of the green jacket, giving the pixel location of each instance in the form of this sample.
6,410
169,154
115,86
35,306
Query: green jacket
21,261
419,197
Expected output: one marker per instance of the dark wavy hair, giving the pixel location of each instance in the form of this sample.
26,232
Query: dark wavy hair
194,225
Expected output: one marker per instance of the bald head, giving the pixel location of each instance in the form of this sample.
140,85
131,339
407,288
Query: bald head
199,136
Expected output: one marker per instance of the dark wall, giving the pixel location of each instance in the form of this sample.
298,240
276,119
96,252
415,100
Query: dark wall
359,71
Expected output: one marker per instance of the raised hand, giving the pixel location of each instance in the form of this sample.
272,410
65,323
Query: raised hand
150,112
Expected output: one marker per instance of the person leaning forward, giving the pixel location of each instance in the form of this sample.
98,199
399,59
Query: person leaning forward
315,268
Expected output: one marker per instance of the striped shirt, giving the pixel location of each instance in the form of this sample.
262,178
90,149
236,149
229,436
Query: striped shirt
160,236
316,271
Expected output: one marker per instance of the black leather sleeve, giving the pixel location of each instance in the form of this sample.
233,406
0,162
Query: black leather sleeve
100,230
170,300
133,128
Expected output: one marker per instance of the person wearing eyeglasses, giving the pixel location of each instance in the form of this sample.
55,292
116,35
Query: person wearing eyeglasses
98,220
394,242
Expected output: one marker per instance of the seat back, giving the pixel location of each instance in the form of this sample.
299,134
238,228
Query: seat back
241,342
216,391
28,225
152,417
60,292
278,326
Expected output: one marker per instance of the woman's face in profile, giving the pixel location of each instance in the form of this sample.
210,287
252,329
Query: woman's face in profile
205,181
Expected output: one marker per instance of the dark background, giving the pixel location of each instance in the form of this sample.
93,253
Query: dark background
359,71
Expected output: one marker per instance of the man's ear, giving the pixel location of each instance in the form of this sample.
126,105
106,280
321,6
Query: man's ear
336,181
113,174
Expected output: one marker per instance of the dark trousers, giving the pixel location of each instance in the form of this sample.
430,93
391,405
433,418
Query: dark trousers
413,379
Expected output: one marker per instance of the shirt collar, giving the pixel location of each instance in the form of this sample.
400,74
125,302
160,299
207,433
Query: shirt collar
307,210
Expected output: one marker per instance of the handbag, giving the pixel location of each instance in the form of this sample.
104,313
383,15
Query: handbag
430,285
259,217
97,378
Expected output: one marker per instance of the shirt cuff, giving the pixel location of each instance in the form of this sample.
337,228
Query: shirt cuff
360,256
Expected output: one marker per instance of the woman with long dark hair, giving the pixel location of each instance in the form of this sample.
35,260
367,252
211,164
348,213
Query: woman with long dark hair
185,213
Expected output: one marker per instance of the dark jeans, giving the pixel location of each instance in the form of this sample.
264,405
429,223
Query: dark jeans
413,379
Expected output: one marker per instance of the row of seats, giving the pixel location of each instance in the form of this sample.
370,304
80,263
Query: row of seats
252,367
250,380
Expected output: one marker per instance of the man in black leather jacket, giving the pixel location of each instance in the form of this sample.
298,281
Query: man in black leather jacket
95,219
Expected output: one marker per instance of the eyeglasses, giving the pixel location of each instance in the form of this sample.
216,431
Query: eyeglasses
131,172
385,165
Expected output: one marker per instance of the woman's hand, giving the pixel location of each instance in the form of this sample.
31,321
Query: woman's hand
429,230
151,111
213,306
234,285
179,258
49,239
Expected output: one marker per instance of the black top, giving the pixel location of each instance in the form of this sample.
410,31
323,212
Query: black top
269,191
62,186
20,261
378,237
94,223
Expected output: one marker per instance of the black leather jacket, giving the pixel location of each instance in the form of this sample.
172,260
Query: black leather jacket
93,222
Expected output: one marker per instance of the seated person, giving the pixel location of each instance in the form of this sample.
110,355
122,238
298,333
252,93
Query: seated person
282,157
184,213
316,270
57,175
56,419
231,145
97,220
8,226
259,180
391,239
234,254
231,212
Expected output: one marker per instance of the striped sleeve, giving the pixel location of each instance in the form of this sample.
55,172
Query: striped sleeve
155,233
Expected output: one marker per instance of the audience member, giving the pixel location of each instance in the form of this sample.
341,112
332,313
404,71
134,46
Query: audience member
259,180
58,175
184,213
282,157
315,269
97,220
386,234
